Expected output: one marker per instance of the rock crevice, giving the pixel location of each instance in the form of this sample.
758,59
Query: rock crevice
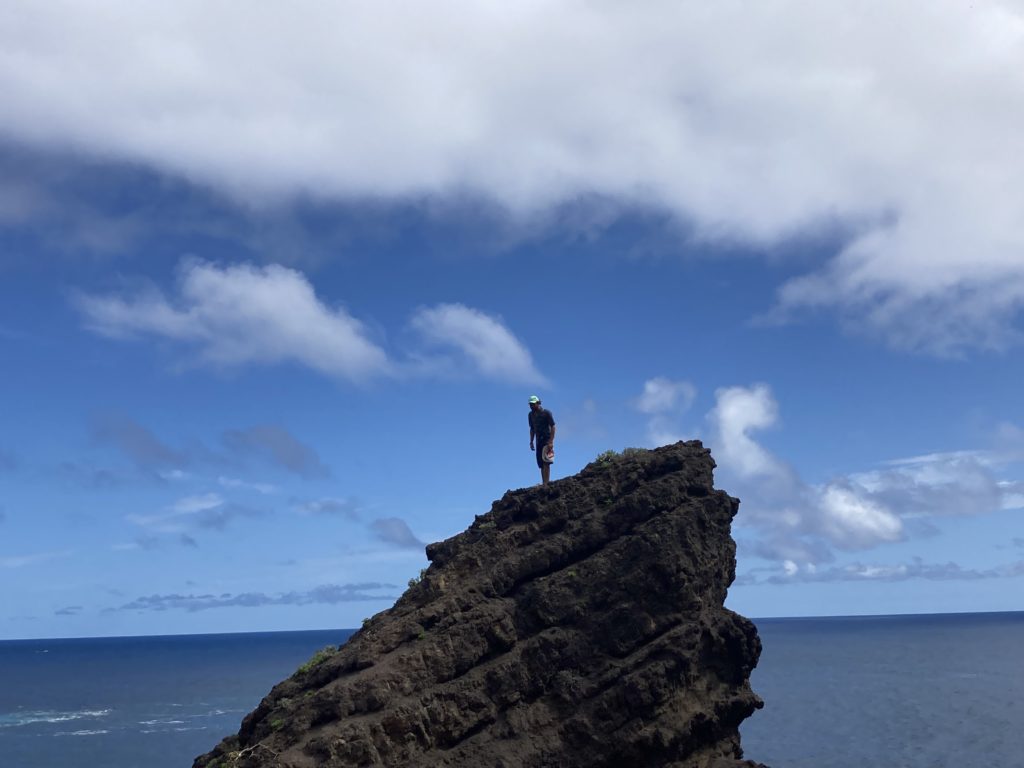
577,624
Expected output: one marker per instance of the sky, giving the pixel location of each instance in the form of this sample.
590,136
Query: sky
276,284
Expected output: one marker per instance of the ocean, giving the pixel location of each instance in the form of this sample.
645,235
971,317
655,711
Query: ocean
137,702
899,692
933,691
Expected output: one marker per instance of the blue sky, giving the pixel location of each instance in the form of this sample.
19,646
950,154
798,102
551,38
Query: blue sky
266,330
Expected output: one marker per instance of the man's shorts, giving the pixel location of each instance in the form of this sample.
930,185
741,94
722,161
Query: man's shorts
540,453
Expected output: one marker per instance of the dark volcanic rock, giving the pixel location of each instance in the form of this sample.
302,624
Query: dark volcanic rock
581,624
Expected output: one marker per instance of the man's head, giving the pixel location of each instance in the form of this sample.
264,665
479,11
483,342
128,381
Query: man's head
534,402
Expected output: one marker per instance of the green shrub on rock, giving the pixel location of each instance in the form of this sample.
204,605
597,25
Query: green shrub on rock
319,658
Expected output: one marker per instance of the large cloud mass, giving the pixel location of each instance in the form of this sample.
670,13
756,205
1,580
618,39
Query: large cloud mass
750,121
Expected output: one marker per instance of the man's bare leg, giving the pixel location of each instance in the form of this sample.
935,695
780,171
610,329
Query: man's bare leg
545,474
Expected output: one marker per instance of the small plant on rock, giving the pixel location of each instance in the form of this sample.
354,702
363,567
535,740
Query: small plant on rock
318,658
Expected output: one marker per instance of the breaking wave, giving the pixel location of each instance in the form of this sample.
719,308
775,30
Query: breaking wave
18,719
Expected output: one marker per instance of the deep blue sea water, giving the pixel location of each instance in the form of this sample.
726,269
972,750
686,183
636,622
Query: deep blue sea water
145,702
938,691
893,692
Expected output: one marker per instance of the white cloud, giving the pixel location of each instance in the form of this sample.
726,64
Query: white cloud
329,594
664,400
190,505
1013,495
738,412
803,522
750,121
245,314
481,338
174,518
854,522
330,506
662,395
790,572
230,482
939,484
193,504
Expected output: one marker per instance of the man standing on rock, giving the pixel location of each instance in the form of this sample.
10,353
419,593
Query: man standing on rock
542,427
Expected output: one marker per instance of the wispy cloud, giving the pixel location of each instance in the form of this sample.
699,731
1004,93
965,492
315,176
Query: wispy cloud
663,401
150,542
21,561
480,339
278,446
269,443
583,420
662,395
235,484
191,505
138,443
244,314
394,530
206,511
341,507
793,573
71,610
942,484
329,594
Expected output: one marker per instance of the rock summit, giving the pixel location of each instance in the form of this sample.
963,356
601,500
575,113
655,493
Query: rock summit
579,624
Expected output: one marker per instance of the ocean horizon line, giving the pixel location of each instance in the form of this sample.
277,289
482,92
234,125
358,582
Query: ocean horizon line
350,630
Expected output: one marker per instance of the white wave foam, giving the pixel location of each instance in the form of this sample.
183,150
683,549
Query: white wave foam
81,733
18,719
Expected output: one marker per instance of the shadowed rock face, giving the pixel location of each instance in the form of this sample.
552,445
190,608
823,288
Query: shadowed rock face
580,624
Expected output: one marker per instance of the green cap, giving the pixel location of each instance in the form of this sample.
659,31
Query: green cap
534,399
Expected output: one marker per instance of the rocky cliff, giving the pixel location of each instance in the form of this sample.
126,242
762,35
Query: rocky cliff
578,624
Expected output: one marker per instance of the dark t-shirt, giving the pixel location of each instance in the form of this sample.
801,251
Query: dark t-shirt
541,422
